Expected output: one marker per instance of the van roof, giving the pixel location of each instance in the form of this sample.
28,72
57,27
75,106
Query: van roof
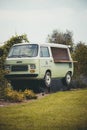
45,44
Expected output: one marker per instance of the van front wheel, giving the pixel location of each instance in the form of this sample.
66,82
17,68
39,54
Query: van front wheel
47,79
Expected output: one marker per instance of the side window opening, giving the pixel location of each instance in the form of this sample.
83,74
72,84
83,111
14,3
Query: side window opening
60,54
44,52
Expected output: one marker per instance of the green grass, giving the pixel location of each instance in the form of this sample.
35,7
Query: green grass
59,111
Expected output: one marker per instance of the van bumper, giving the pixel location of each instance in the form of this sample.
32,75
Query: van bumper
21,76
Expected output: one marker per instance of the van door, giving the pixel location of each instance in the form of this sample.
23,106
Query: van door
45,60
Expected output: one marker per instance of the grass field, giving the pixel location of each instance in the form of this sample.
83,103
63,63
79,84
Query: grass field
59,111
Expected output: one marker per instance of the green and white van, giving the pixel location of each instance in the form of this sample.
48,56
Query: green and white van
36,61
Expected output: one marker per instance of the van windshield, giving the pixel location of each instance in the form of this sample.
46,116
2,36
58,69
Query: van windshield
27,50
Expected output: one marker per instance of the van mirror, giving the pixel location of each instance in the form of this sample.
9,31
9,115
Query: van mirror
1,52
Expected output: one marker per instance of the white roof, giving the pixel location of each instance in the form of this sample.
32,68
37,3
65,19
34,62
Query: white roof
54,45
45,44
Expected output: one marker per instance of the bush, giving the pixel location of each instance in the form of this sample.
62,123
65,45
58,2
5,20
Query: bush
29,94
8,94
13,96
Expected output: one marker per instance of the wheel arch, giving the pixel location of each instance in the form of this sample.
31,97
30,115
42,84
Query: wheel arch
48,70
70,72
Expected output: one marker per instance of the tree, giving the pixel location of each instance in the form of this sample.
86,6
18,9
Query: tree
61,38
6,47
14,40
80,55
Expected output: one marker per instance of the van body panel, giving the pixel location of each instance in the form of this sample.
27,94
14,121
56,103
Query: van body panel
45,64
60,69
22,67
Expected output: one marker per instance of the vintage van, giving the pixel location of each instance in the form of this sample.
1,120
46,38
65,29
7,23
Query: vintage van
35,61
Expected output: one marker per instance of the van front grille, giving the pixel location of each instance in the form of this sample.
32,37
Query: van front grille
19,68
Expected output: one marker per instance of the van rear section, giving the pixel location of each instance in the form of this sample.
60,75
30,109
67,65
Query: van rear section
62,61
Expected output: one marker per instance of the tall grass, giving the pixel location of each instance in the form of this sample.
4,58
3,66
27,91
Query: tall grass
58,111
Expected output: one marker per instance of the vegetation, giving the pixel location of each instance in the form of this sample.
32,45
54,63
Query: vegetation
29,94
6,47
58,111
8,94
80,55
65,38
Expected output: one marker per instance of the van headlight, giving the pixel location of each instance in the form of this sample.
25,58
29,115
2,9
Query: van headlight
32,66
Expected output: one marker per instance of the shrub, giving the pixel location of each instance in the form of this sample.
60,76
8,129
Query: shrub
12,95
8,94
29,94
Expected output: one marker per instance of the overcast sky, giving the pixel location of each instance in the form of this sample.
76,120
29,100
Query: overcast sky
38,18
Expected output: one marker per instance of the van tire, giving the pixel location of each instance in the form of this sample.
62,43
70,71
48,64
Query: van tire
47,80
67,80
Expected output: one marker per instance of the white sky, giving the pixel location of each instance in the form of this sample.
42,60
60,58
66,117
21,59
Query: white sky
38,18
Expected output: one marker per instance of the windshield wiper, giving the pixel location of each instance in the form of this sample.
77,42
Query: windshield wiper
13,56
18,56
24,56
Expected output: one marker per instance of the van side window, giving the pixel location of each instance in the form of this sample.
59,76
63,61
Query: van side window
44,52
59,54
